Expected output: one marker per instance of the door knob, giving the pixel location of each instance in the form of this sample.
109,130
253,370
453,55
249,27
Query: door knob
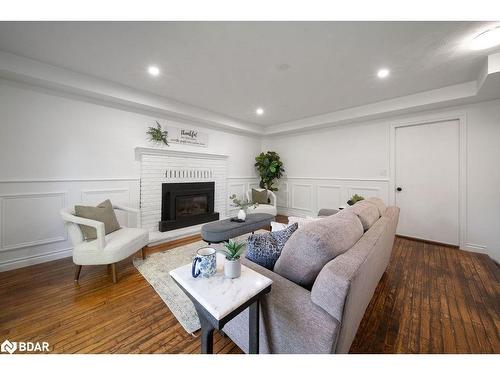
399,188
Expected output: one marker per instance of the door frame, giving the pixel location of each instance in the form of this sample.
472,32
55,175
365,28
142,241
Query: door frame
461,117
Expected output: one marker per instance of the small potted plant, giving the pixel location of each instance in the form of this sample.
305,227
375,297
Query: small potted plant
242,205
355,198
232,251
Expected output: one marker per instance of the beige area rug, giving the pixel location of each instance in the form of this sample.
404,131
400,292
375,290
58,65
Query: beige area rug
155,269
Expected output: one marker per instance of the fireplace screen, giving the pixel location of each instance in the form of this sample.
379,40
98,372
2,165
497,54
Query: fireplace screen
191,205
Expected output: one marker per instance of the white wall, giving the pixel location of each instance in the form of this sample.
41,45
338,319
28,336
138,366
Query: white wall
325,167
52,150
56,151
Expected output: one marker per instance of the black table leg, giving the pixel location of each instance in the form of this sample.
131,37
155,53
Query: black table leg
253,327
207,335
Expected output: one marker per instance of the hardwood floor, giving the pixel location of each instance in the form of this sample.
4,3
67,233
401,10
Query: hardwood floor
432,299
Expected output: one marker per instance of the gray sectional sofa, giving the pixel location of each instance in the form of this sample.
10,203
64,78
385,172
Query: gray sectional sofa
322,282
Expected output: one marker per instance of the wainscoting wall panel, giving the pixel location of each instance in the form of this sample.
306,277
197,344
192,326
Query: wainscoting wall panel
301,196
31,229
305,196
31,219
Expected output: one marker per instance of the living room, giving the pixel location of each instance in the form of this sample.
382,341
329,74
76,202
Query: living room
229,187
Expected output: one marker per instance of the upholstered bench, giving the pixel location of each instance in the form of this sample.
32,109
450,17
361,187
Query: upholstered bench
223,230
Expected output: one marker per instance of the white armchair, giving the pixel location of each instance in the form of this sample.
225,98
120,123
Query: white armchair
263,208
106,249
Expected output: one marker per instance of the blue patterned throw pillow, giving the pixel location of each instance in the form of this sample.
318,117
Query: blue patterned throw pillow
265,249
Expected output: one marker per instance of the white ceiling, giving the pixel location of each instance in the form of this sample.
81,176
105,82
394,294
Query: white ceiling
232,68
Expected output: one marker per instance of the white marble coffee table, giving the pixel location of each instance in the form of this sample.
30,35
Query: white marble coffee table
217,300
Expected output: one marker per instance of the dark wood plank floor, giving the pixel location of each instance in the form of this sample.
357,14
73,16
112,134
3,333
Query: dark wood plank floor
432,299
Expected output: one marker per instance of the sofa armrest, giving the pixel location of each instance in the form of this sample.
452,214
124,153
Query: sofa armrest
99,226
292,323
330,290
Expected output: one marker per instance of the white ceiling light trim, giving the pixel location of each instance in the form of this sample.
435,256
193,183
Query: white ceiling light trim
487,39
259,111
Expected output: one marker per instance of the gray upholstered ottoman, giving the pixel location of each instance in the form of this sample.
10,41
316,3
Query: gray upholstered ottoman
223,230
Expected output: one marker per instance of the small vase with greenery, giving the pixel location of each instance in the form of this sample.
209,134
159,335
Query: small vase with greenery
242,205
157,134
355,198
270,169
232,251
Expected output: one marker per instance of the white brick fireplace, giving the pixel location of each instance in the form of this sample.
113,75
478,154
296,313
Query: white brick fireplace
161,165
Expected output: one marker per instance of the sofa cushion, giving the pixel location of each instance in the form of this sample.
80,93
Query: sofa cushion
265,248
367,212
104,213
315,244
301,221
379,203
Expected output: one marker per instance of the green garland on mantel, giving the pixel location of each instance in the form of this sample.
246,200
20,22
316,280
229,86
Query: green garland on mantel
157,134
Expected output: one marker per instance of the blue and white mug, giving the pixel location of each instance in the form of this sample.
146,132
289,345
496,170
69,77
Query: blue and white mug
204,263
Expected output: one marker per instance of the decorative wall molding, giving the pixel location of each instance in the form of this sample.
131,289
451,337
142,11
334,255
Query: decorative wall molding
361,190
329,199
336,178
87,193
47,239
27,227
35,259
90,179
307,199
323,192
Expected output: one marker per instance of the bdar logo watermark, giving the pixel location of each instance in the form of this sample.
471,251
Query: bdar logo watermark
23,346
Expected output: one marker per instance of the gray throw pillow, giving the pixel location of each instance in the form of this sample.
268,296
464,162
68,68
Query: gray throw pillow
259,197
103,212
265,249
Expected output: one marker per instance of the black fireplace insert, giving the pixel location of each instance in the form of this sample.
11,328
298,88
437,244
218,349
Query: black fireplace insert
186,204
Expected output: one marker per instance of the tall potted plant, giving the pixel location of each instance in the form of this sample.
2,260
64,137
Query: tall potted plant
270,168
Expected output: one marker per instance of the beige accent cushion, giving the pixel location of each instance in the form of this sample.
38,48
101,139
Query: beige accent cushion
259,196
379,203
302,220
367,213
315,244
103,212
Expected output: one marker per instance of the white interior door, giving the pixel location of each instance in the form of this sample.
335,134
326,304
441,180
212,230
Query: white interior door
427,181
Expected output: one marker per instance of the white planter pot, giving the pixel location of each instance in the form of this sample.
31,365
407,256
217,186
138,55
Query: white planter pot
232,269
242,215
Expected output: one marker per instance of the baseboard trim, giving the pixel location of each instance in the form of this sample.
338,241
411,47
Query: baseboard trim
428,241
36,259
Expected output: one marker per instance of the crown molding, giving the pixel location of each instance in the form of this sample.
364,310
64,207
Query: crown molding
27,71
34,73
485,88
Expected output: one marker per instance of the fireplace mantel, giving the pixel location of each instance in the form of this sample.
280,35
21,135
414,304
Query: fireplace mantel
144,150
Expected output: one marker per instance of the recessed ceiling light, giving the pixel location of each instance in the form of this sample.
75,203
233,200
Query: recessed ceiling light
154,70
259,111
487,39
382,73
